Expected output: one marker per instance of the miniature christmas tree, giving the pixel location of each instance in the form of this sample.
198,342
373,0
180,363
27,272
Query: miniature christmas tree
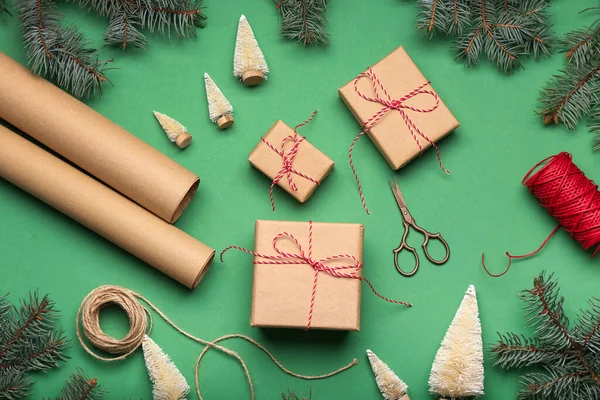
168,383
457,370
81,387
570,357
304,21
176,132
390,386
502,30
219,109
248,61
575,92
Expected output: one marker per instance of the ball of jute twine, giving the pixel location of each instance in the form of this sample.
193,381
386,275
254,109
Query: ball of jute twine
140,324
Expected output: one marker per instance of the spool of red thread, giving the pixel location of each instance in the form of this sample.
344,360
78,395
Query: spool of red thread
569,196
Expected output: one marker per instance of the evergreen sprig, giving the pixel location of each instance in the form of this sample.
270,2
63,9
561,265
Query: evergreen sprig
575,92
29,341
59,53
80,386
501,30
570,357
304,21
294,395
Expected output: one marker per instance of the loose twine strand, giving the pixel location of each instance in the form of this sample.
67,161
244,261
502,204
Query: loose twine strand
569,196
140,321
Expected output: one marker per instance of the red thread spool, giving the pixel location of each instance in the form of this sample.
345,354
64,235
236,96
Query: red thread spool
569,196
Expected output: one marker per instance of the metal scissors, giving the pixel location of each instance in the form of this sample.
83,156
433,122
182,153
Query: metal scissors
409,221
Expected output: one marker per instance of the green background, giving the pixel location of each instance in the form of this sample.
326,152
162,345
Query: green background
481,206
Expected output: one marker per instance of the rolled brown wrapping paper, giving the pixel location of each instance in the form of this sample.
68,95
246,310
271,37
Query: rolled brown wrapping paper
103,210
93,142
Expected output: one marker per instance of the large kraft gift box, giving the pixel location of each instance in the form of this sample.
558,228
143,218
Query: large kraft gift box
399,76
281,294
308,160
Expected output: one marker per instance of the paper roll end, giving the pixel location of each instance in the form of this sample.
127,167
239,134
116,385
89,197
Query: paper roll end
204,268
183,140
253,77
185,201
225,121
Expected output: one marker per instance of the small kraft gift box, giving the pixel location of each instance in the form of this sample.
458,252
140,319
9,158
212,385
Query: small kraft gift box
307,275
398,109
290,161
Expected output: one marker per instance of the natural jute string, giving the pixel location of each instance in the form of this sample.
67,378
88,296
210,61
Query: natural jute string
140,321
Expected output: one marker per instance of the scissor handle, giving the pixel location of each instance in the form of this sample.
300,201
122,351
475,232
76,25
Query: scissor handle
404,246
434,236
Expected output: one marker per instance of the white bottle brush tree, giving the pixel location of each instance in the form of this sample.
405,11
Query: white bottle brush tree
176,132
390,386
168,383
457,370
249,63
220,110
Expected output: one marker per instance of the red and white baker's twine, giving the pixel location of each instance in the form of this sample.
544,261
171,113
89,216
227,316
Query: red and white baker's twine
284,258
288,160
390,104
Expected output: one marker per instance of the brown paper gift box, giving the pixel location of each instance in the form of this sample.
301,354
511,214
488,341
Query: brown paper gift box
281,294
399,76
309,160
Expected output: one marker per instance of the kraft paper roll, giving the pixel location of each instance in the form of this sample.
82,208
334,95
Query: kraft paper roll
103,210
93,142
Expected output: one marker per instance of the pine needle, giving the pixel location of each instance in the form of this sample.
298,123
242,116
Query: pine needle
569,357
81,387
294,395
304,21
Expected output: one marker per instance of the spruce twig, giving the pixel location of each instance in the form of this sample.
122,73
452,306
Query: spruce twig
502,30
294,395
59,53
575,92
304,21
81,387
570,357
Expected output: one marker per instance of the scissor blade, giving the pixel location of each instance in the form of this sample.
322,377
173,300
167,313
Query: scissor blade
397,193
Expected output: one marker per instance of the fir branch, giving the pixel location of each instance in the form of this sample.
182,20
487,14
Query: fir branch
304,21
571,95
81,387
594,125
164,16
503,30
14,384
294,395
124,29
570,357
545,313
516,351
580,45
60,54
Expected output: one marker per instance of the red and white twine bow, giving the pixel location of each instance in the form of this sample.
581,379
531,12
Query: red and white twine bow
288,159
390,104
319,265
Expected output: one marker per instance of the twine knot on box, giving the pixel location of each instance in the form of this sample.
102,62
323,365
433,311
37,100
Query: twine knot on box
319,265
400,105
288,157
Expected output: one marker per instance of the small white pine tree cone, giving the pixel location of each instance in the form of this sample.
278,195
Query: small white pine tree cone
220,110
390,386
176,132
168,383
457,369
248,61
